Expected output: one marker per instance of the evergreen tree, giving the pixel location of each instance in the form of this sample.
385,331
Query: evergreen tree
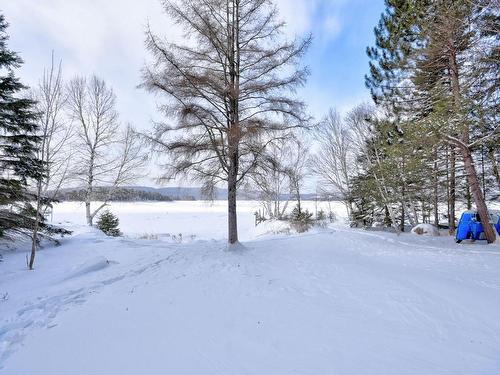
18,145
422,74
108,223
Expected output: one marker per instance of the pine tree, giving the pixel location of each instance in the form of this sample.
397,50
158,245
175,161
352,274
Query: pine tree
18,145
108,223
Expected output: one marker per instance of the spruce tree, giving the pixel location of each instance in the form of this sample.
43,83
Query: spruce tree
18,145
108,223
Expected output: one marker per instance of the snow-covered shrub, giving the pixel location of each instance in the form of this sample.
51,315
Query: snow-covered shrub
273,227
259,218
321,219
177,238
320,215
301,220
108,223
148,236
425,230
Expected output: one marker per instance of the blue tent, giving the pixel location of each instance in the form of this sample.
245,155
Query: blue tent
470,227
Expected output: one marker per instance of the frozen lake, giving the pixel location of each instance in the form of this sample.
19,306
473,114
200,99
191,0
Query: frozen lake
193,219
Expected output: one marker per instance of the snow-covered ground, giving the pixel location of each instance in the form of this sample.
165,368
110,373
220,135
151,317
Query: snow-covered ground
331,301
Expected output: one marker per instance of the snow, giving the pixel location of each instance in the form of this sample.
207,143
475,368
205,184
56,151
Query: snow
425,230
330,301
90,265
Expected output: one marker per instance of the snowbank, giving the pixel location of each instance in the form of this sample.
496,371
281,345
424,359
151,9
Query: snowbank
272,227
425,230
91,265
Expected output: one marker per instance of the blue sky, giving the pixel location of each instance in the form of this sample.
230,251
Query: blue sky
339,62
106,37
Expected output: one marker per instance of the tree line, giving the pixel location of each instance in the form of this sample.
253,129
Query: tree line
430,143
113,194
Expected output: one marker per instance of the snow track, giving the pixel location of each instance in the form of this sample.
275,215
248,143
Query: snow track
337,302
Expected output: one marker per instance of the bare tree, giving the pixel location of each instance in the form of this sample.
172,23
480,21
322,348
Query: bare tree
367,149
103,156
272,178
334,161
228,89
298,170
55,132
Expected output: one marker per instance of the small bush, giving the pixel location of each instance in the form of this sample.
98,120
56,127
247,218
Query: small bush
108,223
320,216
302,220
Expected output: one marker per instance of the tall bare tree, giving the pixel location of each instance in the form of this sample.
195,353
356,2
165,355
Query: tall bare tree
228,87
272,180
56,129
298,169
334,161
55,132
104,156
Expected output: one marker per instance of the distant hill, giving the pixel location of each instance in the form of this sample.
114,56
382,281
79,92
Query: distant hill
147,193
124,194
181,193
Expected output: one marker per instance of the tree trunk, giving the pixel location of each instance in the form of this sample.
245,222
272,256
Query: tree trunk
414,219
470,169
494,164
88,197
34,239
231,200
87,213
403,208
453,196
475,188
448,183
468,196
388,207
36,225
436,191
234,125
402,225
298,199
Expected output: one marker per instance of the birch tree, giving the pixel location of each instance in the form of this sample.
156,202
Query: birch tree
104,156
55,132
228,89
272,181
334,161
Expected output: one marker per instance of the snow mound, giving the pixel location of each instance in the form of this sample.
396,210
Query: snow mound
425,230
91,265
272,227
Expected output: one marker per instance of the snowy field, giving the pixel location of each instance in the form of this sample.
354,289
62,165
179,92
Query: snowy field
330,301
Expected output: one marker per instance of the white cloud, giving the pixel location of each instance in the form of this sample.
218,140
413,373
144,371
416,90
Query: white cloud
331,27
298,14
